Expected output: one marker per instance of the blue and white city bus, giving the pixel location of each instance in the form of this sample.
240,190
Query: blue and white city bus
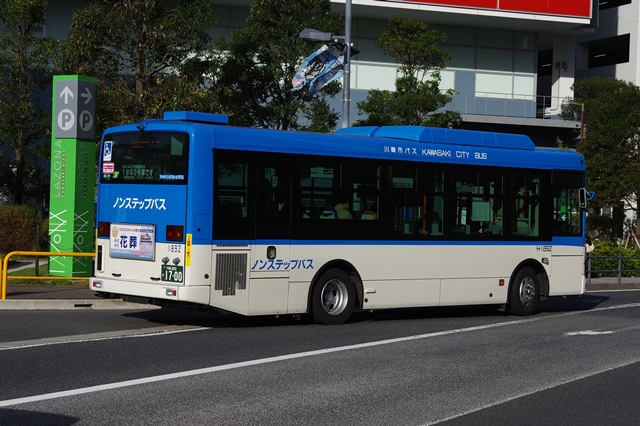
269,222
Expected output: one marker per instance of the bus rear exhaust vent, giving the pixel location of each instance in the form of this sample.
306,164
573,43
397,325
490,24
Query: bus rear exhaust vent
231,272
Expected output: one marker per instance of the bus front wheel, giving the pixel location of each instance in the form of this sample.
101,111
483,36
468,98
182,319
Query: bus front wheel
525,292
333,298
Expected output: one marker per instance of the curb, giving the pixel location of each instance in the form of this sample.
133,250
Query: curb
613,286
87,304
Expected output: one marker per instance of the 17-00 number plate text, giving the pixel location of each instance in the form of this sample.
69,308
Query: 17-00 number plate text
172,273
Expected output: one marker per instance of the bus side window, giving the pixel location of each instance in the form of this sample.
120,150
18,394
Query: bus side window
273,197
230,196
567,219
479,198
431,185
525,207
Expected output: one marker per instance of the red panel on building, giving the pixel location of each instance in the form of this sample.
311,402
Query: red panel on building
576,8
581,8
481,4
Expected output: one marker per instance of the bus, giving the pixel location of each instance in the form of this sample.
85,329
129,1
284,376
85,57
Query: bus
193,211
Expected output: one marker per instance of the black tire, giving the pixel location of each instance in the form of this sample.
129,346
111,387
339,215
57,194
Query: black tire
524,293
333,298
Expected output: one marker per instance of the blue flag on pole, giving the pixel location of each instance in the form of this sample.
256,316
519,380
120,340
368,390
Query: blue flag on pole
320,68
332,71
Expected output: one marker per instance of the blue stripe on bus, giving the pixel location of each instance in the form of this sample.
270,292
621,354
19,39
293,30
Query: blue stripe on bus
557,241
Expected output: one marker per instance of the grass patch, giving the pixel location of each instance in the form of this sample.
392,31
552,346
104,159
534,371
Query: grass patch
43,272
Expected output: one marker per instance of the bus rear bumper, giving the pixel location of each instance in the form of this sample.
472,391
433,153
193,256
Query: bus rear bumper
160,292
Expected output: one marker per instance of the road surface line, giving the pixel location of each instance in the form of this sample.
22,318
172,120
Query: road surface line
182,374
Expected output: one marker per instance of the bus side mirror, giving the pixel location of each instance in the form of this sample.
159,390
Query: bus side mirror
583,198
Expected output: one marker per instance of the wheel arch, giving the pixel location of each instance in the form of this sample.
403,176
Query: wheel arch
349,269
541,273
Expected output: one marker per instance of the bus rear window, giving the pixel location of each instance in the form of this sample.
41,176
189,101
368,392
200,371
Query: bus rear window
145,157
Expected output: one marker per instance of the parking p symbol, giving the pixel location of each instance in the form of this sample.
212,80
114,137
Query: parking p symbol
86,121
66,119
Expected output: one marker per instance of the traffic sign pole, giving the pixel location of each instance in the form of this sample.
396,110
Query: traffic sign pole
73,165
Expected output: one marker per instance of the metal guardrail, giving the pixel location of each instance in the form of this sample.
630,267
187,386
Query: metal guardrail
618,271
5,268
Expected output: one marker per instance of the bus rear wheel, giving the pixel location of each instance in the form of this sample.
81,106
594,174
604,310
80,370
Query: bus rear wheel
525,292
333,298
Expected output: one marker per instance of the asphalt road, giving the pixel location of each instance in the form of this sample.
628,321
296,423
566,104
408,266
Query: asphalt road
576,362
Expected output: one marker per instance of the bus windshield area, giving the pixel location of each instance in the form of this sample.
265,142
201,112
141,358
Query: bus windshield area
145,157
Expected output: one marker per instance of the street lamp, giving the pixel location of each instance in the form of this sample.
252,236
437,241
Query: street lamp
315,35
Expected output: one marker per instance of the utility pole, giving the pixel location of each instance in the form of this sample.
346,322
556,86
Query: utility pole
346,90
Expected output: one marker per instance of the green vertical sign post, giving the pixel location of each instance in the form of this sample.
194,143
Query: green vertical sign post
73,165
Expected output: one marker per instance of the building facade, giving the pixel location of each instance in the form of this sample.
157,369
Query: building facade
513,62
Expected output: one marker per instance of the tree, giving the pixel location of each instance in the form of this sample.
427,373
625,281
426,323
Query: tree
25,94
610,141
261,60
146,54
417,99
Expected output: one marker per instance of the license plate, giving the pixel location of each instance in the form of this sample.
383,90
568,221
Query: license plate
172,273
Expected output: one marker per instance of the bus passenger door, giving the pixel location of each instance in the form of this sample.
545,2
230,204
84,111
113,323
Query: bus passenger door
567,249
271,255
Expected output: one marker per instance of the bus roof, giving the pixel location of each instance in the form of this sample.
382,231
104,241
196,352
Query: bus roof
402,143
446,136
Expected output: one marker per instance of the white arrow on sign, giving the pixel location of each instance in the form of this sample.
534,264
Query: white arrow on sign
87,95
67,93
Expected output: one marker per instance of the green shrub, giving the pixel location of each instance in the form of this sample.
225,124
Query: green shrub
605,258
18,226
44,235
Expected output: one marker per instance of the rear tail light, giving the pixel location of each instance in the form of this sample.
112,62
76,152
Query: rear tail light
103,229
174,233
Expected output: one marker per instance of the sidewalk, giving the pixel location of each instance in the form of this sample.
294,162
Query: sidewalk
44,291
25,297
49,292
62,298
611,283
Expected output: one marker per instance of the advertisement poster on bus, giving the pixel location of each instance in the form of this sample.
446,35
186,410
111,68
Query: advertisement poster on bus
133,241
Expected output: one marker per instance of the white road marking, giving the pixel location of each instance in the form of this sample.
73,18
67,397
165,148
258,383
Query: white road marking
125,334
182,374
588,333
